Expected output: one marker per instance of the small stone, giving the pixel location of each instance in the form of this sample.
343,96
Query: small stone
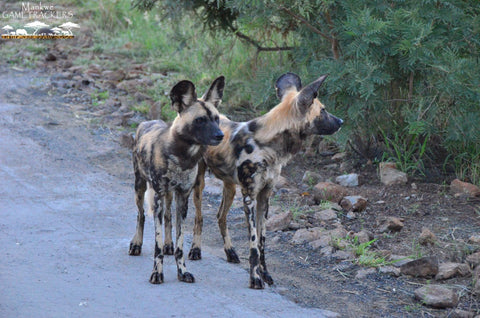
363,273
140,97
307,235
391,224
115,76
464,188
326,251
354,203
422,267
50,57
328,191
339,156
474,239
326,215
437,296
343,255
476,279
351,215
449,270
279,222
390,270
311,178
458,313
389,175
348,180
473,259
322,242
363,236
427,237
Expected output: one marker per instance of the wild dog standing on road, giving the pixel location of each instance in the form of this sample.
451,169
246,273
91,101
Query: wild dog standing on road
165,158
252,155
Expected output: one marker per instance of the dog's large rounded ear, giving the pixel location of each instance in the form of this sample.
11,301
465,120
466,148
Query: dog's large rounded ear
215,92
183,95
309,93
287,82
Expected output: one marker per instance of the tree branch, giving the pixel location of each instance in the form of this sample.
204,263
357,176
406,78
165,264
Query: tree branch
304,21
251,41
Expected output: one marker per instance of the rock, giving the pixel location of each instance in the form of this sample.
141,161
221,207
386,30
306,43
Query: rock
363,273
328,191
279,222
476,279
307,235
422,267
449,270
339,156
348,180
473,259
343,255
474,239
464,188
115,76
399,260
389,175
391,224
326,215
351,215
458,313
140,97
427,237
322,242
311,178
363,236
390,270
50,57
437,296
354,203
325,238
326,251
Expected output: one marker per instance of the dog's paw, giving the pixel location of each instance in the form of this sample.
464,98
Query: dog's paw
135,249
156,278
232,256
195,254
186,277
256,283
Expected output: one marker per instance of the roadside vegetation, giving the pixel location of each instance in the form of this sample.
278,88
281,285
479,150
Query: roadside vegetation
403,75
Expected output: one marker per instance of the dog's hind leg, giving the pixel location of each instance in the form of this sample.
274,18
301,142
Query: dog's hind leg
140,188
168,246
181,200
196,249
262,214
227,200
157,272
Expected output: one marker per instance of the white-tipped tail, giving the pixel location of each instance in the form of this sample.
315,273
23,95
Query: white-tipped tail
149,196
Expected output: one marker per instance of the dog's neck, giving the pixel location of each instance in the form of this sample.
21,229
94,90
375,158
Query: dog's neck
187,151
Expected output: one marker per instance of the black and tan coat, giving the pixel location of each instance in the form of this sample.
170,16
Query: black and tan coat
165,159
252,155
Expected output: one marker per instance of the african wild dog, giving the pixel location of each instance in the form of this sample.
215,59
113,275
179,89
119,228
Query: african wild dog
252,155
165,159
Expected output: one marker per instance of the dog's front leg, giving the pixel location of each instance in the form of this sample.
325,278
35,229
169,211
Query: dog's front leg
196,249
181,200
168,246
250,205
157,273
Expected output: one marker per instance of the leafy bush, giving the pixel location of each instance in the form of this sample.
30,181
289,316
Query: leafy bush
404,61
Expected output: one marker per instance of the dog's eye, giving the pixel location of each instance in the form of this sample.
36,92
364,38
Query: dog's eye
200,120
217,119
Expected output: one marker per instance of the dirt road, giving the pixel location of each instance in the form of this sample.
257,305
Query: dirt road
67,216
